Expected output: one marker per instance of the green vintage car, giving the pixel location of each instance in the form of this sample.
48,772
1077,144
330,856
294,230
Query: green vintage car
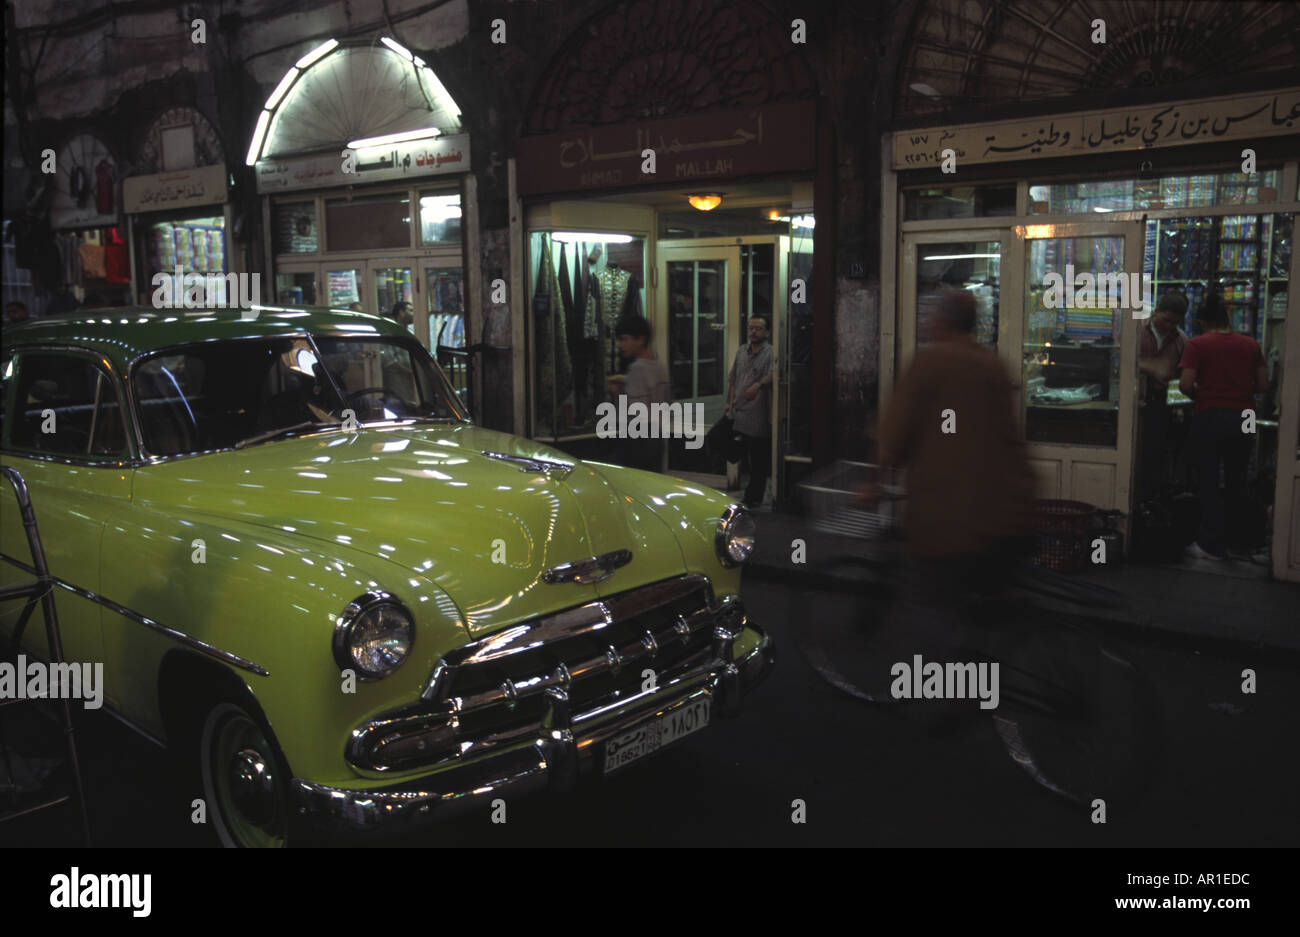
349,607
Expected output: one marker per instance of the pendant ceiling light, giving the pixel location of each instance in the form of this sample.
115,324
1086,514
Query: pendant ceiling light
705,202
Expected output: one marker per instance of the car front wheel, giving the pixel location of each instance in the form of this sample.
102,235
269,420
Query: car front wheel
244,782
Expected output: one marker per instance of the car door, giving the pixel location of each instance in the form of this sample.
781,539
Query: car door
64,431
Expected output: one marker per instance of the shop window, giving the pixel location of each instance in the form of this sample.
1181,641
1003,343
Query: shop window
196,245
439,219
967,201
369,222
344,285
296,288
446,309
579,285
1072,343
294,227
66,406
1228,188
971,265
1244,258
394,285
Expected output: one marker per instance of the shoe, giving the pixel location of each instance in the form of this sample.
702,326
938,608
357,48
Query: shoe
1196,551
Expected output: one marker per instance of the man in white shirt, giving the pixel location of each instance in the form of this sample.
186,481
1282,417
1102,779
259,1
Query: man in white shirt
749,392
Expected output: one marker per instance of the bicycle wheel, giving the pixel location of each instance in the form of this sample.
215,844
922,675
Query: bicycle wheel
840,634
1081,719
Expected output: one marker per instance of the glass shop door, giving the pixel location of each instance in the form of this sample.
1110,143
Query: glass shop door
696,334
1078,338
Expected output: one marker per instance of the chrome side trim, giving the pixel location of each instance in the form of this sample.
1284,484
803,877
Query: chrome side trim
189,641
587,572
532,463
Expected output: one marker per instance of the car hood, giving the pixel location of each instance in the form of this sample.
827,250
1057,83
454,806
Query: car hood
425,499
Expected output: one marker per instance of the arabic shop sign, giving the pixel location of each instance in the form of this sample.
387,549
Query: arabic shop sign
374,164
776,138
167,190
1241,117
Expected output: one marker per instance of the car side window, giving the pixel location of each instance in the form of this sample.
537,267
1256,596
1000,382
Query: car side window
66,405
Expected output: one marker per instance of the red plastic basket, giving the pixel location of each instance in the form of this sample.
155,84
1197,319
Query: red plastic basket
1063,530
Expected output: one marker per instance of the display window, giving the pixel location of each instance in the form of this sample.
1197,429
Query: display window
368,222
95,264
1096,432
190,246
440,218
369,252
1071,359
580,284
294,228
1182,191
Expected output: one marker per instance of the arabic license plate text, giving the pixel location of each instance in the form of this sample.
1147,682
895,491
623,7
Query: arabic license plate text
654,734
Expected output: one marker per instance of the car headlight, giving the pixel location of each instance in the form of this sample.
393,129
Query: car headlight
373,635
734,541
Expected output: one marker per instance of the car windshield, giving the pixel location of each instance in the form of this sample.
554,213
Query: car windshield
216,395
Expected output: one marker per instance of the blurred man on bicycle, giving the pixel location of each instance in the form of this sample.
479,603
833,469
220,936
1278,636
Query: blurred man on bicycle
951,424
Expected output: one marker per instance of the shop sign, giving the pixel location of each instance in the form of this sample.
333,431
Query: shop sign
1240,117
167,190
776,138
373,164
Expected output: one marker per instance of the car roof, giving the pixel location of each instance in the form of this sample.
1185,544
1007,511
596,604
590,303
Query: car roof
123,333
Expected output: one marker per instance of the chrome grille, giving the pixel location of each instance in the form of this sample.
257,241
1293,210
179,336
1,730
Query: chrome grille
595,653
546,677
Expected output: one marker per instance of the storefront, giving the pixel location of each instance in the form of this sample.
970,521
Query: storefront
1034,200
720,231
85,215
177,213
364,210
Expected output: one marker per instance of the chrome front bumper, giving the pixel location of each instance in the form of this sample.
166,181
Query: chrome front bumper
549,761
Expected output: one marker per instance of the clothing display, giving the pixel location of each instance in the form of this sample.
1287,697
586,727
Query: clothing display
614,284
554,367
92,260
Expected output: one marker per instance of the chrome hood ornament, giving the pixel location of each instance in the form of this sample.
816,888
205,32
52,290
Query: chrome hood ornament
588,571
532,463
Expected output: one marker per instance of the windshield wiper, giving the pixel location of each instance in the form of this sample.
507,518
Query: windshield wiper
283,431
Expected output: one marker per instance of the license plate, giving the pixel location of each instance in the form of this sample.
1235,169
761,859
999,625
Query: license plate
654,734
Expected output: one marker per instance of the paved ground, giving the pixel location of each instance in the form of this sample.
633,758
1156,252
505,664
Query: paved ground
1223,773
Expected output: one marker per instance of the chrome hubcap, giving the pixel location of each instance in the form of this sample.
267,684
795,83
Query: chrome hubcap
252,787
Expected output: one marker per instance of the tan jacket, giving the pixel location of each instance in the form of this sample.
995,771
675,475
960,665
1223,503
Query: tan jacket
968,488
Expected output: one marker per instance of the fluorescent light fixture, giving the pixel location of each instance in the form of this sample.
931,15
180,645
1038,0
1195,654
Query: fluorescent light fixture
929,91
255,149
322,50
957,256
398,48
404,137
803,221
590,237
282,88
1100,208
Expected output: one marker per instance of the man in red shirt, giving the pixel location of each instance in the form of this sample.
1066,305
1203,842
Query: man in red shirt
1222,372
